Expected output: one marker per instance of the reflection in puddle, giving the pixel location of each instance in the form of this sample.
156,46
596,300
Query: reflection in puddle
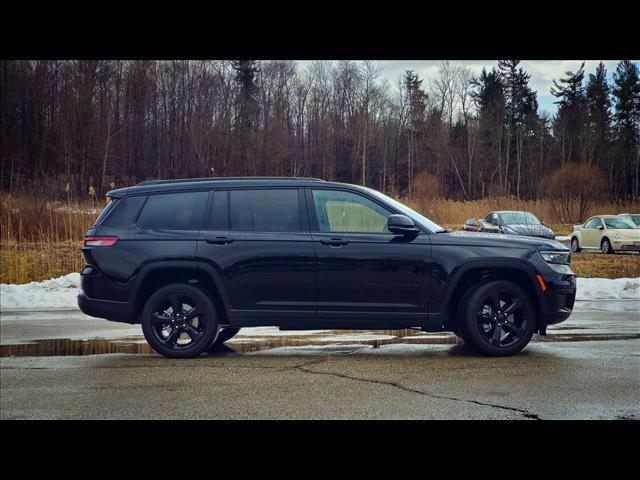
317,341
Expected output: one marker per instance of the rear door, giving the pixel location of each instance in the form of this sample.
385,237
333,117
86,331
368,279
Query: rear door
258,241
365,272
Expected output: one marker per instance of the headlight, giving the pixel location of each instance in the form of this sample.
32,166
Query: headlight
563,258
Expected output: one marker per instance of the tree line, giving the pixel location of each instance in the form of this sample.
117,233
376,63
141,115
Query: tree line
72,126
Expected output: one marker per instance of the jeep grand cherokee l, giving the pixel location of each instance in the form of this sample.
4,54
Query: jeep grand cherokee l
194,261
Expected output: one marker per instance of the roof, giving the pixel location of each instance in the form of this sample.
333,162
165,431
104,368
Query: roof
184,184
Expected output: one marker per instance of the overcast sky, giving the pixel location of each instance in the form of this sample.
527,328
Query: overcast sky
542,72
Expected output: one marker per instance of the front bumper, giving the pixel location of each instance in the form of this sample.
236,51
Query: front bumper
626,245
558,298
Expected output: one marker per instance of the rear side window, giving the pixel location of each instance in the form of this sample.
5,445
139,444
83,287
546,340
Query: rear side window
173,211
257,211
125,212
110,206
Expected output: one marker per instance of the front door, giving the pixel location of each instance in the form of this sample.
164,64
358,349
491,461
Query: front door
591,234
364,272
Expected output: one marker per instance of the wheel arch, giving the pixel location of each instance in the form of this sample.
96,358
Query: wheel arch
154,275
477,272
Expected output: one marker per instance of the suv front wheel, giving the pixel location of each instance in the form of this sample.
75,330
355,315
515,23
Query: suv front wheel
498,318
179,321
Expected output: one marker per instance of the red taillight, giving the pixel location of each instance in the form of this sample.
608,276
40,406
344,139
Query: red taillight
99,241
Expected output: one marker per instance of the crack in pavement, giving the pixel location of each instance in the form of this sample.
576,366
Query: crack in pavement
524,413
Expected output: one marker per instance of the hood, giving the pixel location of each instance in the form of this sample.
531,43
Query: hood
627,234
528,229
484,239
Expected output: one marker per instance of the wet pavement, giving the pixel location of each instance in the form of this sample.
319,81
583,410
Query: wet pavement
62,364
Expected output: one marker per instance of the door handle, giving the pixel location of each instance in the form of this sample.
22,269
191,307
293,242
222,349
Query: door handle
334,242
219,240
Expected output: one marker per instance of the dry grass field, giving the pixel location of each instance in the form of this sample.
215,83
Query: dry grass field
41,239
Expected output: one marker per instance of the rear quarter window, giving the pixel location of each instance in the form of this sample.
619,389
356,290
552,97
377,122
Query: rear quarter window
173,211
124,212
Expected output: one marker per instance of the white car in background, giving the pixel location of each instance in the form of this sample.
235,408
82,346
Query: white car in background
608,233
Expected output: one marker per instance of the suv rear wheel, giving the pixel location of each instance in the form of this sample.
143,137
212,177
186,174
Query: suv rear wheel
498,318
179,321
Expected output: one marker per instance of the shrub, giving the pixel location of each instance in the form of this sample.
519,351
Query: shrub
573,190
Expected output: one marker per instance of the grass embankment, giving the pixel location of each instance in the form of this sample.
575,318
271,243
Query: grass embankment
42,239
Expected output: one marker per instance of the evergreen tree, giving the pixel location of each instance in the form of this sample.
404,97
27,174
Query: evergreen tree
488,95
417,104
521,114
599,111
570,121
626,91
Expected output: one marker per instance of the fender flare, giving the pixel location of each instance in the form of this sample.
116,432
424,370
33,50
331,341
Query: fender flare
489,263
210,271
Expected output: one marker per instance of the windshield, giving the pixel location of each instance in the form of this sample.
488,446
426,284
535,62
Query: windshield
519,218
434,227
618,223
631,219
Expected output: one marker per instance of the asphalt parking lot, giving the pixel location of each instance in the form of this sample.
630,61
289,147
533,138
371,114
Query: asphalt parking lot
587,368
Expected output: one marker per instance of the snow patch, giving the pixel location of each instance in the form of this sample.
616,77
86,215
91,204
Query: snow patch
58,292
608,289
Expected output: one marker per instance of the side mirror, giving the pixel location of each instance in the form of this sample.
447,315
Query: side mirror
402,225
494,223
600,227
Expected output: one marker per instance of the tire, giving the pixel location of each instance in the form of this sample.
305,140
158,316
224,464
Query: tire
575,245
605,246
492,331
226,333
185,334
461,330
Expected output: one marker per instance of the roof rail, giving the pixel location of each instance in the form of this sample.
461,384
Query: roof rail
212,179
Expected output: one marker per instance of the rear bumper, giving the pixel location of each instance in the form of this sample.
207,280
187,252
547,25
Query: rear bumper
114,311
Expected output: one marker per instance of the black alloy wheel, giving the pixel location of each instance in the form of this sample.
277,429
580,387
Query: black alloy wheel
179,321
499,318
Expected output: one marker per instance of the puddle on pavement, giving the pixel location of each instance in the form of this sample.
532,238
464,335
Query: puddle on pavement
247,344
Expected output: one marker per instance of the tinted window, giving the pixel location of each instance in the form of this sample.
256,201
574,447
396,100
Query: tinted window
257,211
110,206
125,212
173,211
349,212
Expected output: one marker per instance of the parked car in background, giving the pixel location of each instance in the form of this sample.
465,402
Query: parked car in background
472,225
516,223
609,233
631,217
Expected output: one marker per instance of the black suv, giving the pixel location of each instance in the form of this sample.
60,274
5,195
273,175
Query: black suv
193,261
